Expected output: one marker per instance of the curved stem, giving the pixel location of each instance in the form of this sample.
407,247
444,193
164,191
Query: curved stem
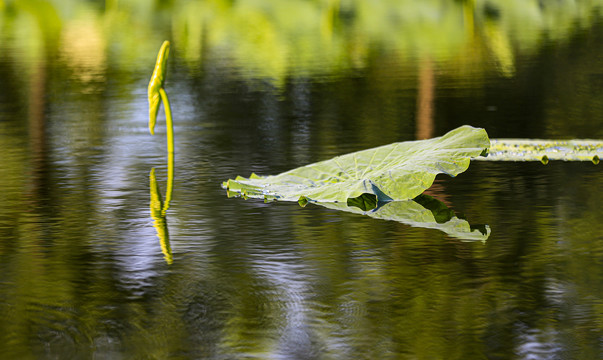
168,120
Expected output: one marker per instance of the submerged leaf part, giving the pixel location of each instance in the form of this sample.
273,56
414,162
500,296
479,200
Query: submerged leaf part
545,150
398,171
156,83
364,202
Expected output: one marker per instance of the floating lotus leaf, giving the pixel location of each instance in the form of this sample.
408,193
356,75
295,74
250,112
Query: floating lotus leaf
394,172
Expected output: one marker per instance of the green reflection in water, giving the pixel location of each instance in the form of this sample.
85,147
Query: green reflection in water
158,212
423,211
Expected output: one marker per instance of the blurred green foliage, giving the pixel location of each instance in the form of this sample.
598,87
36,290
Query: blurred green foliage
275,39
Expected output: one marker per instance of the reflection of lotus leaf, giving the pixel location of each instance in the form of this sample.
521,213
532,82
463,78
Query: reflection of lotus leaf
398,171
424,211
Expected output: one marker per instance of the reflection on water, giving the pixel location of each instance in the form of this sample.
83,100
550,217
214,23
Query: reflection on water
423,211
158,213
269,86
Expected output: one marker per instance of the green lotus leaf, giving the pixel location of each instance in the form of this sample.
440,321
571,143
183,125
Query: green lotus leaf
156,83
394,172
423,211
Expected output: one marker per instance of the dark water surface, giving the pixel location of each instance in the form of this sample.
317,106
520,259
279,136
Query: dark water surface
265,89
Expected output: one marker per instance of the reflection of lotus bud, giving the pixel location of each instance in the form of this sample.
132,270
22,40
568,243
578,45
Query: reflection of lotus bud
158,209
156,201
156,83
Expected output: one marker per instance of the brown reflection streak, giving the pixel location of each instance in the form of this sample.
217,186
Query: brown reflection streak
37,130
425,101
438,192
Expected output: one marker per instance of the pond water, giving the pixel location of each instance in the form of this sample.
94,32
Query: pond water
265,87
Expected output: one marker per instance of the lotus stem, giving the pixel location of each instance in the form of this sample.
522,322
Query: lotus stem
168,120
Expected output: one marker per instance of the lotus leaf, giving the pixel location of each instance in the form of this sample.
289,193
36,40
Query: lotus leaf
394,172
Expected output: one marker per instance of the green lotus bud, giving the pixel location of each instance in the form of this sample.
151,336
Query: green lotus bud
156,83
